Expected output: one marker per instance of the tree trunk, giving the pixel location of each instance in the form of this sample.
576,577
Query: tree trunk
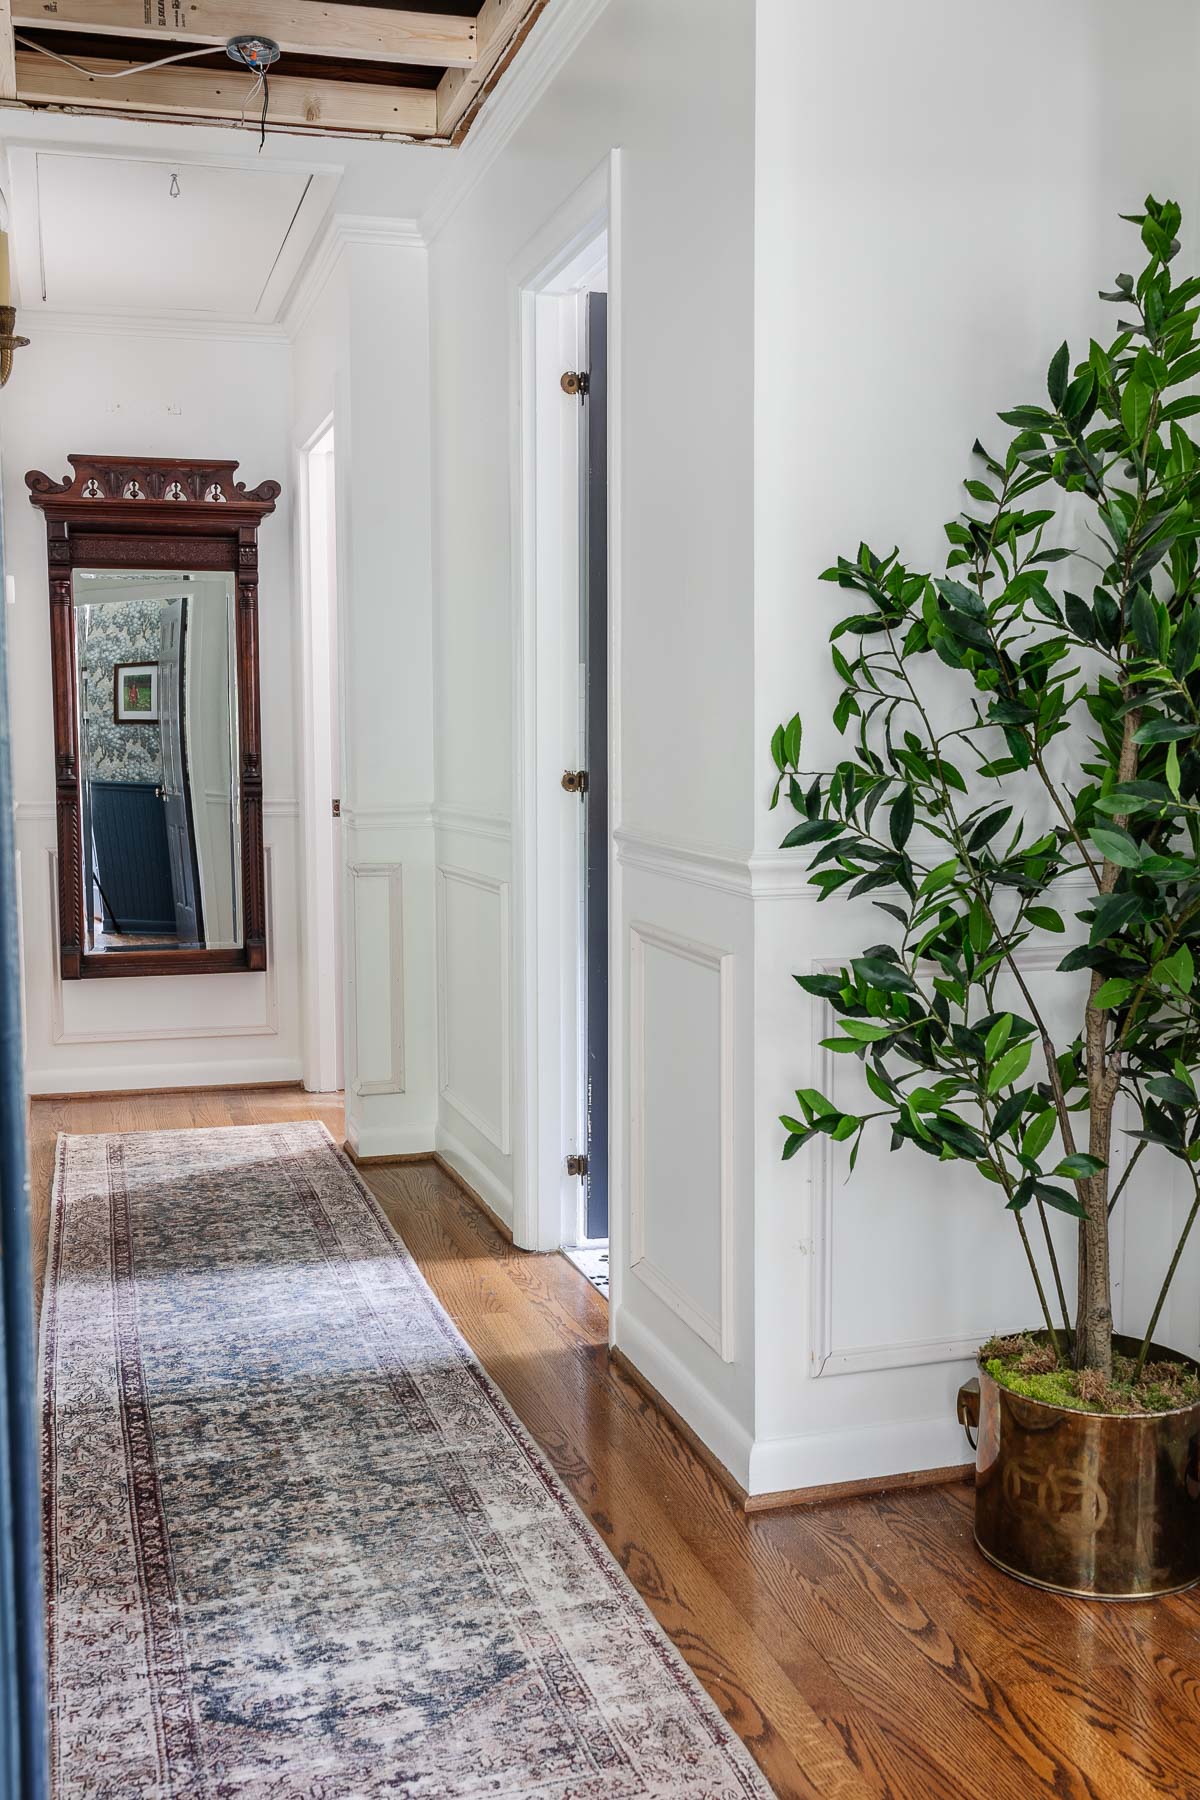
1093,1317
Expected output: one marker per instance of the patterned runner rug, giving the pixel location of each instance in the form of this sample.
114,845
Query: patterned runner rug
297,1544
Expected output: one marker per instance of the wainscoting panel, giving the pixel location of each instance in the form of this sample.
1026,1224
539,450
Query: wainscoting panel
474,1011
377,977
681,1129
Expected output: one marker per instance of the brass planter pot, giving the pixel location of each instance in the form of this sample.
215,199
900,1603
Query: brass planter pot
1102,1505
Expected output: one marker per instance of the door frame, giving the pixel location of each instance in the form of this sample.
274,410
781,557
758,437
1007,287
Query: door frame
546,953
320,714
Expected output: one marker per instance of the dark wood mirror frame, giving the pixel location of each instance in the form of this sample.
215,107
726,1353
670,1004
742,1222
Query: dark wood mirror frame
119,512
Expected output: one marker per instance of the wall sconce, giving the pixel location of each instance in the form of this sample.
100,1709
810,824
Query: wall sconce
8,316
8,343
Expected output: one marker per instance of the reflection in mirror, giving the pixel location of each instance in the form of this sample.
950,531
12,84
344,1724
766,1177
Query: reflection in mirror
156,676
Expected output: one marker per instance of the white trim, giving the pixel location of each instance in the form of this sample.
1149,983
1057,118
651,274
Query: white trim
714,1424
416,816
473,824
496,1131
342,229
550,44
724,870
390,1140
717,1332
139,1078
267,1027
856,1453
393,874
476,1174
181,326
546,962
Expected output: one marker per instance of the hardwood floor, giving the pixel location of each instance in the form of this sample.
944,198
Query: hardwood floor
861,1648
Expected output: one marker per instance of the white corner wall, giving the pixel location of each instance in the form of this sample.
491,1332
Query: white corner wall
671,87
936,206
138,390
360,355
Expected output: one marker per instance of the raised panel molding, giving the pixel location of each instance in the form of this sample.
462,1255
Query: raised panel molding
714,1329
369,989
267,1026
497,1128
859,1359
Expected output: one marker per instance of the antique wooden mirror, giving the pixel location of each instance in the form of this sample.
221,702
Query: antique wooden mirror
153,567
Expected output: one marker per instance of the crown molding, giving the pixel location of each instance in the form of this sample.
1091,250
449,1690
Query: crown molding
157,325
552,41
340,230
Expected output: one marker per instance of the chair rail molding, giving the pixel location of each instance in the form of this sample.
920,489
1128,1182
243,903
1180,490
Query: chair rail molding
716,1329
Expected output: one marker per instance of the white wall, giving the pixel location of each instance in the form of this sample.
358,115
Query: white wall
361,357
671,86
139,391
937,200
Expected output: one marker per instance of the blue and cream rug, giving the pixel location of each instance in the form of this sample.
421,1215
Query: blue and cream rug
297,1545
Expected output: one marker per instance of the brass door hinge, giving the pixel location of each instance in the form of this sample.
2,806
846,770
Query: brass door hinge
575,381
575,781
337,809
578,1166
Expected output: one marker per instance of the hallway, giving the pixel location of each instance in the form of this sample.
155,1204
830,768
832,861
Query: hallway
834,1639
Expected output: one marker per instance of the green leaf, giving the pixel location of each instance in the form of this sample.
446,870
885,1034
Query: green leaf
1059,1198
939,877
1056,375
900,820
1162,731
815,1103
777,748
1112,993
889,977
997,1037
842,1046
1179,969
1079,1166
1135,410
794,1142
1045,917
1039,1133
1116,846
1010,1068
1172,770
792,739
865,1030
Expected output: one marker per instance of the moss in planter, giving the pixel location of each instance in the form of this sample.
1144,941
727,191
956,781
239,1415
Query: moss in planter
1027,1365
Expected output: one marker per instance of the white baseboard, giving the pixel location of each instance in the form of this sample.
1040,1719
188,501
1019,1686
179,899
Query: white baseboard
857,1453
713,1424
475,1173
390,1140
134,1078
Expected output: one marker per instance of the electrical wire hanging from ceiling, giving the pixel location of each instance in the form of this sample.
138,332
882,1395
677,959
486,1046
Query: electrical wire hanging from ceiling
260,81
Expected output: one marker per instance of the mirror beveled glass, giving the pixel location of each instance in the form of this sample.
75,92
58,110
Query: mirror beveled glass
153,584
156,678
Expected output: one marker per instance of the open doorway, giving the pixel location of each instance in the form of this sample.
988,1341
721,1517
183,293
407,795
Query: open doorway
321,763
563,783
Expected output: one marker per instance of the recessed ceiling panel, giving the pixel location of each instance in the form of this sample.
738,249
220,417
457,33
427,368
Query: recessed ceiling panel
141,236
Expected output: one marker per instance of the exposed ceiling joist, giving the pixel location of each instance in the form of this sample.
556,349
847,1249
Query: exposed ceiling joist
303,27
8,54
201,93
500,24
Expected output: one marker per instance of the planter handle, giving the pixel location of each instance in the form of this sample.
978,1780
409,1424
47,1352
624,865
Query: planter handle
968,1409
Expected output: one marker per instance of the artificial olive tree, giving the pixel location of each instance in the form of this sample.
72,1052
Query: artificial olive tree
1073,619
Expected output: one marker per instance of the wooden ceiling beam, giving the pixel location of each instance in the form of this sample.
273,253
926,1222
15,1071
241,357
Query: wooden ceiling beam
209,94
8,54
304,27
498,24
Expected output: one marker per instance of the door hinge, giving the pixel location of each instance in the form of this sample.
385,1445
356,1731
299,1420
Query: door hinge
337,809
575,381
578,1166
575,781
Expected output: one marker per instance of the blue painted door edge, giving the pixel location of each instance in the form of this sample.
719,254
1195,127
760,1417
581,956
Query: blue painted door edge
23,1771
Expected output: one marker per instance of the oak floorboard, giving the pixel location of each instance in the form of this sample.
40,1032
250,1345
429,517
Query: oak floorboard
862,1649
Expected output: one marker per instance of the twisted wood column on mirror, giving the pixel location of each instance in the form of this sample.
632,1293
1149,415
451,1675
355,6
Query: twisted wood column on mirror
153,513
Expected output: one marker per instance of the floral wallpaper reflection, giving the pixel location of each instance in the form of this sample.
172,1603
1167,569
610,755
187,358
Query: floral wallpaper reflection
116,631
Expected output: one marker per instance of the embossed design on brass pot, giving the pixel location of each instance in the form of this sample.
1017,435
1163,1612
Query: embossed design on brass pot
1103,1505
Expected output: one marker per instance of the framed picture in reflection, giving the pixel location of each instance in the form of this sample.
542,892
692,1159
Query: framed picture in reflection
135,693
